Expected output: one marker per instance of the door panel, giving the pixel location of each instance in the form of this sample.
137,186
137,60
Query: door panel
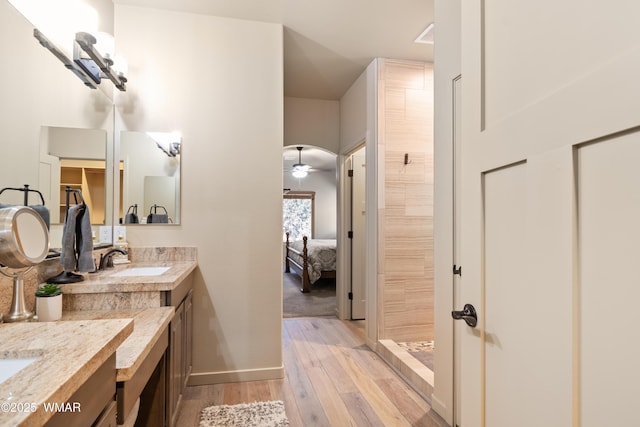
609,211
526,321
513,30
505,246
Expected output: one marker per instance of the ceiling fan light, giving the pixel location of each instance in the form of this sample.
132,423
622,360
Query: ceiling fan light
300,170
301,167
299,173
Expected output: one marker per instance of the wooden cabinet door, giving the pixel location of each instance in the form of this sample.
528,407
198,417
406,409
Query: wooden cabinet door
174,377
187,339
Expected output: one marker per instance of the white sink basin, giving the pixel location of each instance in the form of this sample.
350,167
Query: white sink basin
141,271
9,367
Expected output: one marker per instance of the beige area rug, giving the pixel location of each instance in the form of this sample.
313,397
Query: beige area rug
321,301
256,414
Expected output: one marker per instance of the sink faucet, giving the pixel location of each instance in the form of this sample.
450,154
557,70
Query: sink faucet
106,259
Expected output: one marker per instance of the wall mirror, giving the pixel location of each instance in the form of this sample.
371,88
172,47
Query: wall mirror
45,107
150,167
75,159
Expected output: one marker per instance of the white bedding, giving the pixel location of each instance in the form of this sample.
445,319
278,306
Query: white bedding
321,256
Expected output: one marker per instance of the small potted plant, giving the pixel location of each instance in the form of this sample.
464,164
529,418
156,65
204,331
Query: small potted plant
49,302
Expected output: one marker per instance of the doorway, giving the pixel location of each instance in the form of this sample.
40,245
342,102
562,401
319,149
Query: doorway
309,211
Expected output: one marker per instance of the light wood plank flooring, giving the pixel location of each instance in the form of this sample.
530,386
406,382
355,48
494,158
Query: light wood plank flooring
332,379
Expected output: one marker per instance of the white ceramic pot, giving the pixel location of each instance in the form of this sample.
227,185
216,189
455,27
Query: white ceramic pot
49,309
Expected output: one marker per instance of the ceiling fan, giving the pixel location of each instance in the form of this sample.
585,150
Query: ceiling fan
300,170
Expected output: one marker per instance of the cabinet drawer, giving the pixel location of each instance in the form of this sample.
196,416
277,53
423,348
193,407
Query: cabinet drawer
108,417
92,398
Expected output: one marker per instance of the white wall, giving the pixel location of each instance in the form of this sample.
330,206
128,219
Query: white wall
353,115
312,122
219,82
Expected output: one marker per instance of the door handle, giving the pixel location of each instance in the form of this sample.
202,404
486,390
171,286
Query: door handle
468,314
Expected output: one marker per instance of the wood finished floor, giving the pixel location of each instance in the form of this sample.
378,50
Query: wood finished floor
331,379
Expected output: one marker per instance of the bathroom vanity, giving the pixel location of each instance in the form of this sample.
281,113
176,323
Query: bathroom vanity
124,343
158,296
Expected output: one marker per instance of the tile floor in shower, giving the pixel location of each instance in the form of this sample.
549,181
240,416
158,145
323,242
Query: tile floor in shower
421,350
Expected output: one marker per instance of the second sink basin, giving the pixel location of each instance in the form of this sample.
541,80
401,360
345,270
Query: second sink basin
9,367
141,271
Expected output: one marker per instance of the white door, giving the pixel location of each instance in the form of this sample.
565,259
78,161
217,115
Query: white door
358,241
551,213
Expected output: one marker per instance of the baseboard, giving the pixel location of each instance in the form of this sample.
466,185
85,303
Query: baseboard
440,408
206,378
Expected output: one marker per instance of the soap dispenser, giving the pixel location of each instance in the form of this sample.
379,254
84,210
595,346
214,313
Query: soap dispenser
120,243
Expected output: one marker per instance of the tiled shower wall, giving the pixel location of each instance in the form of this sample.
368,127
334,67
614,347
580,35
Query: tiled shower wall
405,200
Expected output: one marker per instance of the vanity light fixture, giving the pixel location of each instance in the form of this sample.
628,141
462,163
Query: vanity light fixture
91,69
300,170
97,67
168,143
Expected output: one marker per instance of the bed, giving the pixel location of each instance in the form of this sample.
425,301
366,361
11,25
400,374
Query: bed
311,259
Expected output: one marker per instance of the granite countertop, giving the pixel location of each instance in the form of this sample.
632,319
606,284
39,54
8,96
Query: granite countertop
105,281
68,354
148,327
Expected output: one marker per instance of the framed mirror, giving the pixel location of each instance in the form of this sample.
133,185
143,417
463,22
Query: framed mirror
150,168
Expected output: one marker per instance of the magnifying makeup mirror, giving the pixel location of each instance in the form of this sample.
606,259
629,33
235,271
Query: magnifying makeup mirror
24,242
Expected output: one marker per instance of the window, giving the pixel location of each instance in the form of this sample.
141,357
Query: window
297,215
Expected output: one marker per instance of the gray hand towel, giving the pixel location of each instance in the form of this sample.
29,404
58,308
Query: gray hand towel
77,240
68,252
84,242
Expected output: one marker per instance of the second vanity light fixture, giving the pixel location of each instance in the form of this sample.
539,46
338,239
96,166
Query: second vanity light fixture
168,143
92,56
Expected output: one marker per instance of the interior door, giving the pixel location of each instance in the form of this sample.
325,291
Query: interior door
359,239
551,145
